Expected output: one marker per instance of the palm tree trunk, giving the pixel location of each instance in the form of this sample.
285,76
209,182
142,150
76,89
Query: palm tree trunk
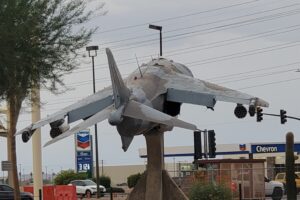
14,109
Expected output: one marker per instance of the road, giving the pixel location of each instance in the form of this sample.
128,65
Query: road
284,197
123,197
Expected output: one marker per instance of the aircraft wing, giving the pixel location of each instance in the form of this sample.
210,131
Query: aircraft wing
184,89
79,110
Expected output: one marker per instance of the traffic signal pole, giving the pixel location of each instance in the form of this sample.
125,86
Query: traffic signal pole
205,144
209,140
282,115
276,115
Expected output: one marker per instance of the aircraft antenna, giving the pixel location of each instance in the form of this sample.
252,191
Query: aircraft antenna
137,61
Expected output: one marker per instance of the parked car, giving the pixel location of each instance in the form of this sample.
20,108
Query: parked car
281,178
274,189
7,193
87,187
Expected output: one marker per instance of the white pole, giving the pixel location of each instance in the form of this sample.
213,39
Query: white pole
36,145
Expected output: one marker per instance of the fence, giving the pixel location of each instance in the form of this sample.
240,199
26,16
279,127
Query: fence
244,182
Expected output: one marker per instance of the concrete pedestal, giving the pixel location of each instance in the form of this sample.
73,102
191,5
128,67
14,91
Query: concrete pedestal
155,183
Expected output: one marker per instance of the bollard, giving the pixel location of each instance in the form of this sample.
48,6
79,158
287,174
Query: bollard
111,194
240,191
40,194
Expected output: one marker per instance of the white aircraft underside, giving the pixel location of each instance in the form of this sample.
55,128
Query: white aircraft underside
148,98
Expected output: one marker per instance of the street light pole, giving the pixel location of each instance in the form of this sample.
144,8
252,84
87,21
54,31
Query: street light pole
89,49
159,28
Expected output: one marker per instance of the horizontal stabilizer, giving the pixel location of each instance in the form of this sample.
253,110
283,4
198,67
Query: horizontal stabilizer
98,117
140,111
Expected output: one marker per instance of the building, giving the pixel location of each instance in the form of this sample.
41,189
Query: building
273,153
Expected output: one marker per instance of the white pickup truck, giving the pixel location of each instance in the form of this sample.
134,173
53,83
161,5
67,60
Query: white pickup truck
274,189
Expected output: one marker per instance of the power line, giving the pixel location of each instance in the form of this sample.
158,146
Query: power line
209,23
177,17
251,71
235,55
168,31
246,53
205,31
199,25
270,83
229,42
254,76
253,86
247,72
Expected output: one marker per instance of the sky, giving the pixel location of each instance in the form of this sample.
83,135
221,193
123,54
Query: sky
251,46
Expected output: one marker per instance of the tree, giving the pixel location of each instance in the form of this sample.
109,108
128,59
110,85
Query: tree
66,176
38,44
104,180
133,179
204,191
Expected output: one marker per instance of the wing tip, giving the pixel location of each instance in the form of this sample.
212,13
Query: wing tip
262,103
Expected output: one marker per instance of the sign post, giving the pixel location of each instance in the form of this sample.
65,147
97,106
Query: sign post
84,152
6,165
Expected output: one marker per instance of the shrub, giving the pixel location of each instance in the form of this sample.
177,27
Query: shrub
103,180
201,191
115,190
66,176
133,179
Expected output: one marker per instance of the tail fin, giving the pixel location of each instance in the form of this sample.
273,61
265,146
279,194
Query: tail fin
121,92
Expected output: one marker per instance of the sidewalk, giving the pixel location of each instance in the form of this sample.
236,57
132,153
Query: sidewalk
107,197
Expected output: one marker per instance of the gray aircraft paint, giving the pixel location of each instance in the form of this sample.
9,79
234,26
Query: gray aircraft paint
135,105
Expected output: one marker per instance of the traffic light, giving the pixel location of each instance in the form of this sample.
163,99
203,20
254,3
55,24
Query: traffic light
283,116
259,114
197,145
211,144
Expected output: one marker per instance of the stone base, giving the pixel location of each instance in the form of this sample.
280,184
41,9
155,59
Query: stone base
170,191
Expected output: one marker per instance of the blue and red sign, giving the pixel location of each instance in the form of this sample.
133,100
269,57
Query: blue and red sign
83,141
84,151
243,147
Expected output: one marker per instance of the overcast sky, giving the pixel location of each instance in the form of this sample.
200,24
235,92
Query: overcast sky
251,46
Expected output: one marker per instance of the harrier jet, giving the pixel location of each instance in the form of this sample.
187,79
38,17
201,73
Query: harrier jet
148,98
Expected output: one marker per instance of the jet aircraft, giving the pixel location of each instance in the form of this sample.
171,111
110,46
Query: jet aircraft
149,98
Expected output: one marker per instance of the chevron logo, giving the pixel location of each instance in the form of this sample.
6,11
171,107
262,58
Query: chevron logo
83,141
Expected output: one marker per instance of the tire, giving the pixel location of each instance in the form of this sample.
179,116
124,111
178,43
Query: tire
277,193
88,194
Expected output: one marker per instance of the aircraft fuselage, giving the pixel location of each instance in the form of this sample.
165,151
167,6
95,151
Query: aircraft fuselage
149,89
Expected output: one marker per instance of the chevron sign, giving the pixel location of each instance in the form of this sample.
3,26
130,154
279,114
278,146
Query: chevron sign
84,152
83,141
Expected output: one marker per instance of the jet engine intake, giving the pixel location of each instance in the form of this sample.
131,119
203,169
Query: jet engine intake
240,111
26,135
171,108
58,127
